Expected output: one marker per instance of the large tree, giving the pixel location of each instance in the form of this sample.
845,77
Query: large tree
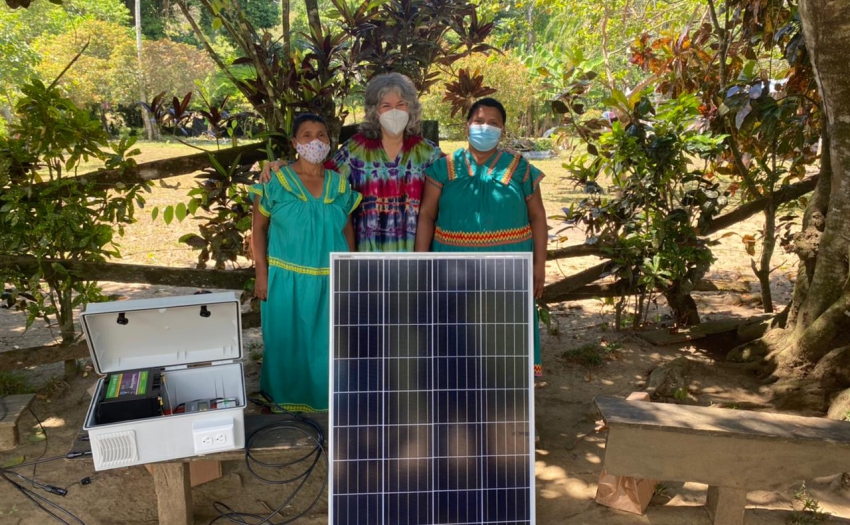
812,352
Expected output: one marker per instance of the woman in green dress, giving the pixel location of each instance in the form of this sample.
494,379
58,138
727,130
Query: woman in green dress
486,199
300,216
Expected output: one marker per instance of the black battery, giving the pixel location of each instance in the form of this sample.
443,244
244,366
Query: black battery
130,395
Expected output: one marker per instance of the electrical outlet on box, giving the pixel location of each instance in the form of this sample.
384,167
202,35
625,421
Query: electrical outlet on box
211,436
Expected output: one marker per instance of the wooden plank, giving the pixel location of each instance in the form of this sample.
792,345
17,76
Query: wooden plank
176,166
201,472
723,460
11,408
139,273
663,337
723,422
726,506
173,493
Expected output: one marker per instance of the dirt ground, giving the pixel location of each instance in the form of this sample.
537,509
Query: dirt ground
569,452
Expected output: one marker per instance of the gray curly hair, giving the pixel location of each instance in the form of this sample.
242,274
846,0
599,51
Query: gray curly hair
377,89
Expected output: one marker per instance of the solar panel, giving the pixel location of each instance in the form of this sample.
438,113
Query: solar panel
431,390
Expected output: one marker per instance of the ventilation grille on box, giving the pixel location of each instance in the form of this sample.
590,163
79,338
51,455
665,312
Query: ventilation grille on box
115,450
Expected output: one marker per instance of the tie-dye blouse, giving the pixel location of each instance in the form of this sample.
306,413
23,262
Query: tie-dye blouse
391,189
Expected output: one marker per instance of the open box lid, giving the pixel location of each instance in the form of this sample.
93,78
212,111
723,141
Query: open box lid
163,332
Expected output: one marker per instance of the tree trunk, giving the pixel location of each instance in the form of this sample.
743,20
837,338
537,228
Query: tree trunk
768,246
142,96
313,16
818,318
285,28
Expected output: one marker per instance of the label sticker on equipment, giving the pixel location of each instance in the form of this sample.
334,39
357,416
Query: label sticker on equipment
127,383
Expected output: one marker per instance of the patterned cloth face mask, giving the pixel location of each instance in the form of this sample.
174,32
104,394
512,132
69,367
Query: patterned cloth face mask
313,152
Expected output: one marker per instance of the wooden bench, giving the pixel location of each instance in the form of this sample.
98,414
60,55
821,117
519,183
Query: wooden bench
172,479
11,409
732,451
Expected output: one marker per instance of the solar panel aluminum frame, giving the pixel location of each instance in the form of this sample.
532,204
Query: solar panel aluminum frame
336,258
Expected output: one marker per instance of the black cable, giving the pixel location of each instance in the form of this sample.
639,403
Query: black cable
43,433
315,433
34,497
70,455
40,500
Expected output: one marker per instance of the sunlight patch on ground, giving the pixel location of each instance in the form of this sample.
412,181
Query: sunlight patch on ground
554,483
593,458
53,422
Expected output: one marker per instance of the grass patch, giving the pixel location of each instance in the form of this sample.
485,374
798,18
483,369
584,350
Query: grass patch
13,383
255,351
592,355
810,512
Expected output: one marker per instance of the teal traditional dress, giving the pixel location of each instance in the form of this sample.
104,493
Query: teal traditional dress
304,229
484,208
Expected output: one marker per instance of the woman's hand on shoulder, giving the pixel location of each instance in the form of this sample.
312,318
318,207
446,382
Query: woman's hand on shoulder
266,173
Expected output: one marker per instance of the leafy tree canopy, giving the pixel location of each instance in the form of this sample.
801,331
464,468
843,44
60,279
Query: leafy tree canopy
105,73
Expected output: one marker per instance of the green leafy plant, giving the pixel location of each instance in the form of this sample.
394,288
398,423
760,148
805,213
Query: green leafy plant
591,355
49,213
12,383
553,327
660,165
810,512
255,351
222,205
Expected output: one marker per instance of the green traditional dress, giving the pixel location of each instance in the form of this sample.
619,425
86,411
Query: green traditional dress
304,229
484,208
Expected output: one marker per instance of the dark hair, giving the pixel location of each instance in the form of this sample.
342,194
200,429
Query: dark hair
306,117
490,103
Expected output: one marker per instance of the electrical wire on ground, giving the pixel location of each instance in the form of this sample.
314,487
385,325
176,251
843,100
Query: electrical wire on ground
27,488
297,423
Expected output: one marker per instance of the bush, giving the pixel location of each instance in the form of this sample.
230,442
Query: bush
13,383
505,73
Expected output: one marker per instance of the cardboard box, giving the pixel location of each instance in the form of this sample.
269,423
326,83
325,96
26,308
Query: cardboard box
194,344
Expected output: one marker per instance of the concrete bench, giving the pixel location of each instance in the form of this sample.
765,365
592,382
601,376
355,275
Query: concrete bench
732,451
11,409
173,479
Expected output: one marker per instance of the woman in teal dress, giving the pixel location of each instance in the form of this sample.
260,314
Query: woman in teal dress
486,199
300,216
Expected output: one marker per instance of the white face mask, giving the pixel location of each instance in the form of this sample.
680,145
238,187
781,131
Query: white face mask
394,121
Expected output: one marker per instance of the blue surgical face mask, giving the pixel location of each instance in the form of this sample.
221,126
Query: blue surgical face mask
484,137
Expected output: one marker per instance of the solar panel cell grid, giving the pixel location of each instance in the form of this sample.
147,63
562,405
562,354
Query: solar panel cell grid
430,388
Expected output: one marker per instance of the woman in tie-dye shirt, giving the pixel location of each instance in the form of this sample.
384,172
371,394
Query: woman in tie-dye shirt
385,161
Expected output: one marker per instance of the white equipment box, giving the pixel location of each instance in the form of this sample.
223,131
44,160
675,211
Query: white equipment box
179,353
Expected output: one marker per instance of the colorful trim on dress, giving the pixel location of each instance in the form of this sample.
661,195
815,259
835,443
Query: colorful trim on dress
534,185
479,240
509,172
433,181
450,168
297,268
287,186
328,199
356,203
263,211
290,407
538,370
